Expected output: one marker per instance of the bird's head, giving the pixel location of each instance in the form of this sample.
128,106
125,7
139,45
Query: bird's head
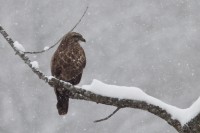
76,37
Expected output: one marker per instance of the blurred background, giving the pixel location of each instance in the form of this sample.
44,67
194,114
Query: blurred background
150,44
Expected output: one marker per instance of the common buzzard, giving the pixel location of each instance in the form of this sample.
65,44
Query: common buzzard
67,64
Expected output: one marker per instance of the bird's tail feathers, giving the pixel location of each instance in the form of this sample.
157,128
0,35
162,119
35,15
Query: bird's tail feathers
62,104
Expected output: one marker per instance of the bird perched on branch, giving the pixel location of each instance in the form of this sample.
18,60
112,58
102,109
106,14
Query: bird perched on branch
67,64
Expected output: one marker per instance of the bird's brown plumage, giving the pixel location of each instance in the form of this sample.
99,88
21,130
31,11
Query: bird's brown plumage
67,64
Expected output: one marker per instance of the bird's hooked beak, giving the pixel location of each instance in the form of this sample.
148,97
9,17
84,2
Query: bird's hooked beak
82,39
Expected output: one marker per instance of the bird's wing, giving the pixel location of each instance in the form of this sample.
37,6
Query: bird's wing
70,63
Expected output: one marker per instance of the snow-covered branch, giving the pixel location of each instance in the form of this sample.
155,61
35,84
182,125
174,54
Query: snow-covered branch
183,120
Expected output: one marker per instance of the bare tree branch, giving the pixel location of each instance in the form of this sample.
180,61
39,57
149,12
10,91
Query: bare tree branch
103,119
192,126
44,50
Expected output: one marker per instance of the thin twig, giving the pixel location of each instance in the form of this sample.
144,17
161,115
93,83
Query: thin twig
39,52
108,116
79,20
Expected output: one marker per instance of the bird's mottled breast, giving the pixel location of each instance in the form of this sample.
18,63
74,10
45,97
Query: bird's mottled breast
69,59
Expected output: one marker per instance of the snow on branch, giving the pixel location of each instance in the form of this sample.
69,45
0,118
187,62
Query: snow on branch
19,46
183,120
34,64
133,93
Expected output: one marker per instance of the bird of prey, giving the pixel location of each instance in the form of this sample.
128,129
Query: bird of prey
67,64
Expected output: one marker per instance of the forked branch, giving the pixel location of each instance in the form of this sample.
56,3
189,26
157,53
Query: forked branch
47,49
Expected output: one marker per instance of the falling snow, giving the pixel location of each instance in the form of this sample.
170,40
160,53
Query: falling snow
153,45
